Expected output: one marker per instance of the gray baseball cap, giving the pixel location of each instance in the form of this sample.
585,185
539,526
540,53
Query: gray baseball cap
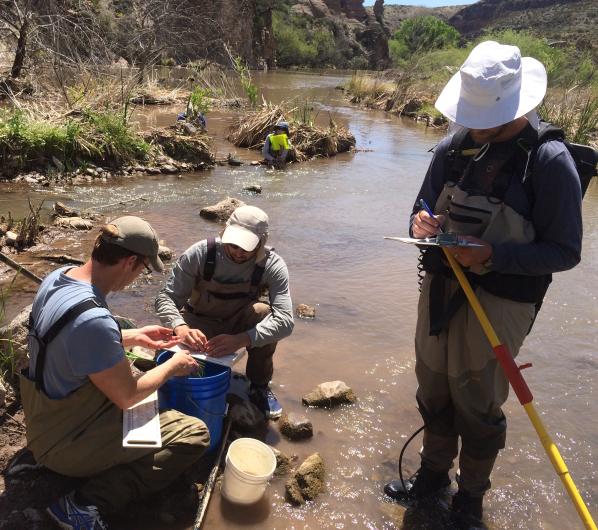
137,235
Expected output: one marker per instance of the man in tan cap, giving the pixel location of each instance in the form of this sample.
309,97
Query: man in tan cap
79,381
211,300
527,223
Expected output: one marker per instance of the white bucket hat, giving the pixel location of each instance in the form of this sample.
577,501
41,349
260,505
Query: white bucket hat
494,86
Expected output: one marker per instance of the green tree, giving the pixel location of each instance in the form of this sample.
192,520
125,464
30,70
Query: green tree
422,34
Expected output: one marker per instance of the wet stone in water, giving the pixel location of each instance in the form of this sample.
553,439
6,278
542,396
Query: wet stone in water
308,481
222,210
165,253
296,426
329,394
253,188
245,416
306,311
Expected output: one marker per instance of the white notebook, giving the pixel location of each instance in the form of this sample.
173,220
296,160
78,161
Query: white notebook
141,424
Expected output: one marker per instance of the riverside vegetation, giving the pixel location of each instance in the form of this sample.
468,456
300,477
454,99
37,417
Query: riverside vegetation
426,53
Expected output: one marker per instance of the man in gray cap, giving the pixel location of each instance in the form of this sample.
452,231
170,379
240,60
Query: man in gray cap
527,223
212,299
79,381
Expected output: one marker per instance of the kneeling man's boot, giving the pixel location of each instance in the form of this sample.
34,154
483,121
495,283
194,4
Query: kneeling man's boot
424,483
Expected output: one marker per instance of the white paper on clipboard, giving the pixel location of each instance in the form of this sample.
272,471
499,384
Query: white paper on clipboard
433,242
141,424
226,360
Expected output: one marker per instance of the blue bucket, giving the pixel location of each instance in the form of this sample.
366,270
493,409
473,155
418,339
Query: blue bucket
202,397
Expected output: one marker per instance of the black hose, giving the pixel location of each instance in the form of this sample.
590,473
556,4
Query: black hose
403,452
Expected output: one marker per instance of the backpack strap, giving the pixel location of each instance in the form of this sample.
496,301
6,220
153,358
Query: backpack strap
210,266
70,315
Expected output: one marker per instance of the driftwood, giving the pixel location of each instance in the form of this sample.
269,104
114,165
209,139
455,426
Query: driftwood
61,258
209,486
19,268
138,198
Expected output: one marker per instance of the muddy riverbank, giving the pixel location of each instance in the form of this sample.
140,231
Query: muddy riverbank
328,218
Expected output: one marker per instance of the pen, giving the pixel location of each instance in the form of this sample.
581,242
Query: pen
428,210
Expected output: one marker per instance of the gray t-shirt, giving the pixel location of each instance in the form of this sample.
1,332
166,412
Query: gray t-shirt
89,344
189,267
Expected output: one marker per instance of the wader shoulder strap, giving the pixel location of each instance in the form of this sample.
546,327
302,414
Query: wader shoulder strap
210,266
70,315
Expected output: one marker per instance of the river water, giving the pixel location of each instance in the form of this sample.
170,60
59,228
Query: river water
328,219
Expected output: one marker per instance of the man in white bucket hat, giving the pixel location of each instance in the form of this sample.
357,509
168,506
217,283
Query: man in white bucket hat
212,299
528,224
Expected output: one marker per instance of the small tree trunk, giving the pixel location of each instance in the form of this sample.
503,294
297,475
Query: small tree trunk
17,65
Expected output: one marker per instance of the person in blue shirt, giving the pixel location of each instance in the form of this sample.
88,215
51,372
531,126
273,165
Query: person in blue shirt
79,382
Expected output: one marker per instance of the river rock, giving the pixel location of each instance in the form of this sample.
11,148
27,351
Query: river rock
62,210
16,334
32,515
222,210
169,168
11,238
308,481
253,188
165,253
245,416
306,311
284,463
78,223
295,426
329,394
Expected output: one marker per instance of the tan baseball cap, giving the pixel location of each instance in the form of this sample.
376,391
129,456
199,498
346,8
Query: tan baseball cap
137,235
246,227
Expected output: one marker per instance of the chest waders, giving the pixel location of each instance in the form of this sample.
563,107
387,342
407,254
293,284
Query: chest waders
220,301
473,200
468,215
51,424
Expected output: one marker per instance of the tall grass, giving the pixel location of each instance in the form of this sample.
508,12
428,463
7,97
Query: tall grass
575,111
91,136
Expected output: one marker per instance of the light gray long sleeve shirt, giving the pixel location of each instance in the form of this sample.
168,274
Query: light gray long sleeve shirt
177,291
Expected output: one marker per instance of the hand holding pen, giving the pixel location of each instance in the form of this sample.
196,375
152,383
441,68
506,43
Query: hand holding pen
425,223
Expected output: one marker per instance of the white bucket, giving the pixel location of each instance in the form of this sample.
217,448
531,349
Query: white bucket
249,466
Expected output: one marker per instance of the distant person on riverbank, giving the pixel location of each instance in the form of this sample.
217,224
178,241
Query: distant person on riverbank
529,226
277,145
80,381
213,299
196,119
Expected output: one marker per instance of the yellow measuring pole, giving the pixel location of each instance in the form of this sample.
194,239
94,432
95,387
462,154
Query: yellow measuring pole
513,373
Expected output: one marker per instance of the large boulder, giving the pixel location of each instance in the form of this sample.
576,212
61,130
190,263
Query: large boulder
329,394
308,481
221,211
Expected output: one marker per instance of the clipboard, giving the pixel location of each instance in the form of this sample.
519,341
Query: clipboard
441,240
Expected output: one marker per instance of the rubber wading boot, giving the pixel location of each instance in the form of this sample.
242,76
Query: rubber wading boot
424,483
467,508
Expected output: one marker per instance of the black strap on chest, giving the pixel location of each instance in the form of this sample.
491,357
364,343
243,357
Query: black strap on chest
210,267
70,315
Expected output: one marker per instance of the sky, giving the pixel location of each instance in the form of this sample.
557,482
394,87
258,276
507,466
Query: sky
425,3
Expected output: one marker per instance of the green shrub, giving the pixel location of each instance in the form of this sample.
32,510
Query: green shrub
98,137
301,41
421,34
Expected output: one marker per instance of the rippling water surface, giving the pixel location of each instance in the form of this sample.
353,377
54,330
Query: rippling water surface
328,218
